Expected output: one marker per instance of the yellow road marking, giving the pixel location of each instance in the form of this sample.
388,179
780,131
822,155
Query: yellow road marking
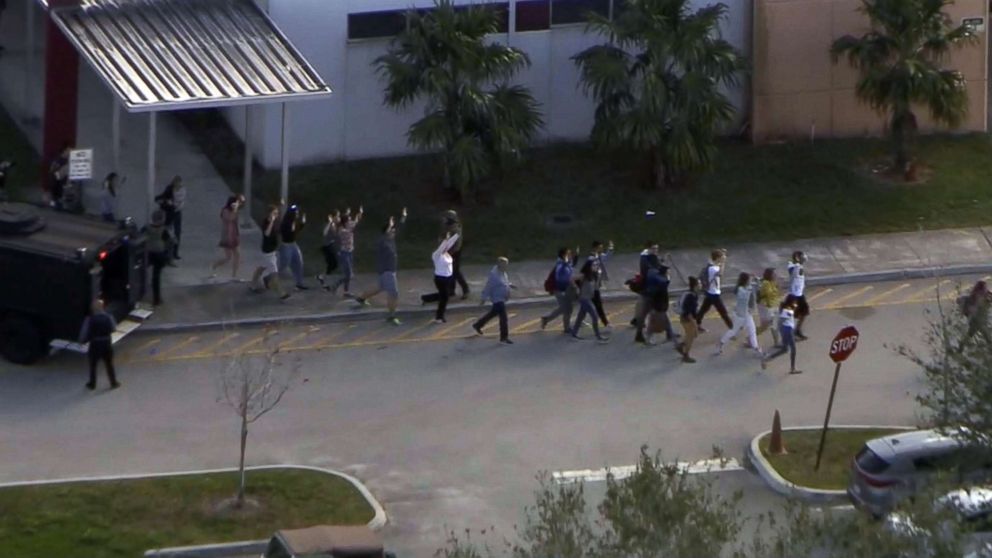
848,296
520,328
819,294
924,291
285,345
509,316
441,333
623,310
147,345
891,291
255,341
213,346
175,348
406,334
326,341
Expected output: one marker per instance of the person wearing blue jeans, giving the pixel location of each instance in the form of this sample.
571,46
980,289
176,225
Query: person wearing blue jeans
289,252
497,290
346,244
787,330
564,290
587,289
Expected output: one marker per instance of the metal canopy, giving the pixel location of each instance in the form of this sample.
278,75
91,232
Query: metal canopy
182,54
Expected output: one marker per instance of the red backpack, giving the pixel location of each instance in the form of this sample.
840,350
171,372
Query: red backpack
551,282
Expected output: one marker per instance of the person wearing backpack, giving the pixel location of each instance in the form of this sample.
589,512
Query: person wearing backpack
648,255
686,308
656,290
710,277
564,290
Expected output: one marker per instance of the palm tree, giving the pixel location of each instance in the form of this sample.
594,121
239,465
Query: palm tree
659,81
476,119
900,62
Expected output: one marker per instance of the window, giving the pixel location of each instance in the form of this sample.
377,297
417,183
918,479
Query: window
370,25
576,11
533,15
870,462
501,9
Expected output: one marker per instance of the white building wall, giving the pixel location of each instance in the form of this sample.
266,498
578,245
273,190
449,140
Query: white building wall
354,124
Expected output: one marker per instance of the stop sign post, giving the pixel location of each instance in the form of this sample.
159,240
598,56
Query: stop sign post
841,347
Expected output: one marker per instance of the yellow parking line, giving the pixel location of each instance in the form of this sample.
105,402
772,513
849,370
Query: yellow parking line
176,348
416,329
285,345
520,328
442,332
819,294
149,344
213,346
926,290
891,291
623,310
327,341
847,297
255,341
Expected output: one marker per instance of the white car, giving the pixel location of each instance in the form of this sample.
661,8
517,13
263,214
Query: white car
973,510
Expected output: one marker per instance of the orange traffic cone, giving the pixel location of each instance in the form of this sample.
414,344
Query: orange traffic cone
776,446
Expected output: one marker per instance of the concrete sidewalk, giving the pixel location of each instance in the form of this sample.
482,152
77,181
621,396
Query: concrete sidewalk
831,260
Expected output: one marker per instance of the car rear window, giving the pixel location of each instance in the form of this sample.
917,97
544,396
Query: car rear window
869,462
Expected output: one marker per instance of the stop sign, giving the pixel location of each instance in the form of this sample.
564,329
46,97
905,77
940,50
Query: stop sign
844,344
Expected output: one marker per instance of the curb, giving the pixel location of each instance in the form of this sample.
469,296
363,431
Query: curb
789,489
377,522
379,314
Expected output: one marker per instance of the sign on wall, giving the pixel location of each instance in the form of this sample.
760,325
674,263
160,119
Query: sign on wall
81,164
977,24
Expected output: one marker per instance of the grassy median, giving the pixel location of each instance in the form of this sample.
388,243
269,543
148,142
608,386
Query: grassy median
125,518
842,445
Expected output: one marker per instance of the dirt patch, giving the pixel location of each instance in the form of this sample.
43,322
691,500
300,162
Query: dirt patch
884,172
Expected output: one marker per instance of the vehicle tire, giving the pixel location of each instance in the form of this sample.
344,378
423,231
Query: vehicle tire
21,341
19,218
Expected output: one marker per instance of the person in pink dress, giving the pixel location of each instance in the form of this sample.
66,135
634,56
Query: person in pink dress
230,236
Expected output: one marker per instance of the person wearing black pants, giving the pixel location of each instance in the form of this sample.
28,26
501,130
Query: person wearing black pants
172,200
598,259
157,248
711,288
97,330
453,226
497,290
443,276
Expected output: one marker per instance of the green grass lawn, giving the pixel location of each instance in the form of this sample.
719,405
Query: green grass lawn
841,447
125,518
15,147
754,193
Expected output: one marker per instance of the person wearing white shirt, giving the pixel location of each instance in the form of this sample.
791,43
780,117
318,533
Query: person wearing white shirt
444,271
787,328
711,289
797,289
745,304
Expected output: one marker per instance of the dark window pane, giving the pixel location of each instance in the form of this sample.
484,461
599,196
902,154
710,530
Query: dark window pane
869,462
533,15
376,24
501,9
576,11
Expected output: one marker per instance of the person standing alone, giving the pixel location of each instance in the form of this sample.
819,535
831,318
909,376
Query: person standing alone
98,329
497,290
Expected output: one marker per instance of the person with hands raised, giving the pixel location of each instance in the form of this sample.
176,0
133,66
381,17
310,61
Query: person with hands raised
386,268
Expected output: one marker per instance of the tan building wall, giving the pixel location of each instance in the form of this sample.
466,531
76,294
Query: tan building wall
795,85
